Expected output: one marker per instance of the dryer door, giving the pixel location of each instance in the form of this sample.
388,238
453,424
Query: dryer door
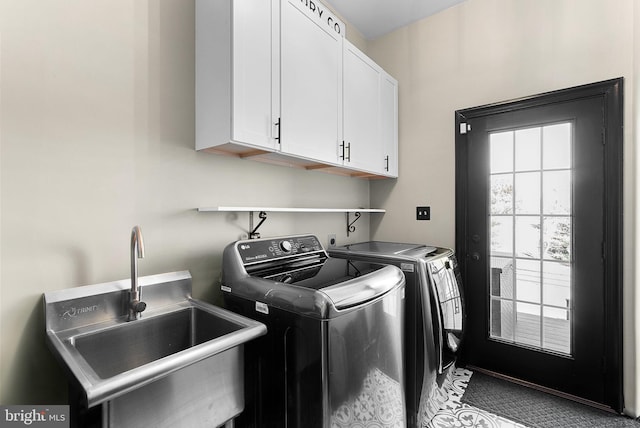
446,286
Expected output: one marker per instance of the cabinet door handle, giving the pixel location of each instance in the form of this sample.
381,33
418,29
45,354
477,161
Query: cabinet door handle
348,152
342,150
386,159
278,134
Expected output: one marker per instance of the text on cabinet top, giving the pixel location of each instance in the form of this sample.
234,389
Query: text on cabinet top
321,14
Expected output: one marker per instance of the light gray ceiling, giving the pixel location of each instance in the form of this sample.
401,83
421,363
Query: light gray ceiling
374,18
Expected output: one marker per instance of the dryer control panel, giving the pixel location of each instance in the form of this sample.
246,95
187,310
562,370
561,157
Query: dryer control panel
270,249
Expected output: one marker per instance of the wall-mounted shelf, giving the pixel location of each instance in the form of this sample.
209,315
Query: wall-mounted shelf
262,214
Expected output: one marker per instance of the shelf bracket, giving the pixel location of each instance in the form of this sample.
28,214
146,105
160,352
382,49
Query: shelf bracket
253,234
350,227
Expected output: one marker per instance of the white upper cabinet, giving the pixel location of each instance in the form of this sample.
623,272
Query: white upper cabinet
311,84
276,81
389,124
235,76
255,77
370,114
362,142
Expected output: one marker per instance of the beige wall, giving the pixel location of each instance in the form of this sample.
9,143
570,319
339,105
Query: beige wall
97,135
486,51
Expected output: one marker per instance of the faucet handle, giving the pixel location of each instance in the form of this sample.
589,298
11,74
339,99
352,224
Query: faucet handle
138,306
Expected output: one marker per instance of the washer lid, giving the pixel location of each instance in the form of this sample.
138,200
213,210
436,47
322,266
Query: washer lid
360,290
344,283
328,290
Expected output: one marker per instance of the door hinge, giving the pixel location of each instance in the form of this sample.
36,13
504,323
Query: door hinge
464,128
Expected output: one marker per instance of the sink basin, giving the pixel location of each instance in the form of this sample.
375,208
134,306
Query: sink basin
115,350
183,353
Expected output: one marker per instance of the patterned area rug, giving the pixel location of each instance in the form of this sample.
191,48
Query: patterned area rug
454,382
456,414
536,409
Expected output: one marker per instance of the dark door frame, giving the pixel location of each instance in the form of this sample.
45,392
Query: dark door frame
611,91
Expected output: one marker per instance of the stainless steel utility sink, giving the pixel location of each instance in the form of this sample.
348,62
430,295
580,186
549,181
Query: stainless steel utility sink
181,348
113,350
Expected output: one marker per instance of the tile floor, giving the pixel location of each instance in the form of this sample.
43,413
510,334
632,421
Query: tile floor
379,405
456,414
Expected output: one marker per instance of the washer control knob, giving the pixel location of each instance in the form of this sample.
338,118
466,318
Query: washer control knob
287,279
286,246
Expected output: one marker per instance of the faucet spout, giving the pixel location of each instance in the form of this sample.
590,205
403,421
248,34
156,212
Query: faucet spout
137,252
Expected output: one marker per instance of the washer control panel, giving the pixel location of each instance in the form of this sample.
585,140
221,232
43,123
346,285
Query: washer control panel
268,249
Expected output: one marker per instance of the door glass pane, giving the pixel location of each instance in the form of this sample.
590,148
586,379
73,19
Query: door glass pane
528,280
502,319
557,192
556,330
528,236
527,149
557,284
527,193
557,238
502,194
556,147
501,235
502,277
528,324
501,152
531,237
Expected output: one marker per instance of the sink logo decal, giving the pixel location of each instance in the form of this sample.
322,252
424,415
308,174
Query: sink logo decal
74,312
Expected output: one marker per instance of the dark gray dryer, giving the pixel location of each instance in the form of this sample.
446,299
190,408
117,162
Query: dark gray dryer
332,355
434,317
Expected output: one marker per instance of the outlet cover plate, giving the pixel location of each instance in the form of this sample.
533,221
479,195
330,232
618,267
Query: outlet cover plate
423,213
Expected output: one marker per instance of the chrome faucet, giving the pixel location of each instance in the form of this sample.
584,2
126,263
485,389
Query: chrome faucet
137,252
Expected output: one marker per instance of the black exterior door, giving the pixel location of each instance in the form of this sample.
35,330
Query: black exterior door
539,238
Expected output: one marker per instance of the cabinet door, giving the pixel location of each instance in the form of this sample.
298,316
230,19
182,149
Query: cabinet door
361,102
253,77
389,124
311,87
